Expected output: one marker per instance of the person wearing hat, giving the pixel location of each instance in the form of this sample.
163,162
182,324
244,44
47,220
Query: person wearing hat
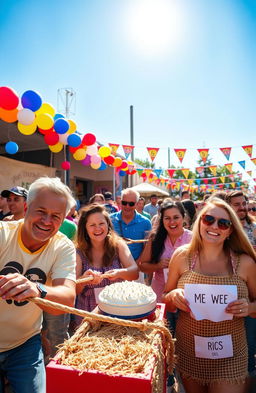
109,206
4,208
152,207
16,199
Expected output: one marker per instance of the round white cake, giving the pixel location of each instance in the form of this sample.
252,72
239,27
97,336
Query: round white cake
127,300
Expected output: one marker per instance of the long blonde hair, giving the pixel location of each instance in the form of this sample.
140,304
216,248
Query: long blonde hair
237,241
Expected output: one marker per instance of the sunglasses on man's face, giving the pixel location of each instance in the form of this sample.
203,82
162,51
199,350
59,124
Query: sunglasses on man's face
222,223
253,209
125,203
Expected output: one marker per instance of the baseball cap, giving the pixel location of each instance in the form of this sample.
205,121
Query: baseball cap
108,196
15,190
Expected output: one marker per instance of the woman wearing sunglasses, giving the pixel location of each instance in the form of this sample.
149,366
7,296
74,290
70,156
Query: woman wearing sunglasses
218,265
99,250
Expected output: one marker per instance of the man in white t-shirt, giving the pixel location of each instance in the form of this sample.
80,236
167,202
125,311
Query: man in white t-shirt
32,253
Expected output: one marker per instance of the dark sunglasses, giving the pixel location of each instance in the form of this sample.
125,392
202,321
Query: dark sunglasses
125,203
252,209
223,223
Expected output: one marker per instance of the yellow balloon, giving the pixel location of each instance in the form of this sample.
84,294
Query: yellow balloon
46,108
27,130
72,126
56,148
104,151
44,121
79,154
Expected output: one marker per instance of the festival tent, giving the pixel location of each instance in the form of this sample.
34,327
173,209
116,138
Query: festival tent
146,189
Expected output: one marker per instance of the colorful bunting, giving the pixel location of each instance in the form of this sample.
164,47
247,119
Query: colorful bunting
253,160
229,167
180,153
242,163
248,150
152,151
213,169
158,172
203,154
249,173
226,151
113,147
127,150
185,172
222,179
171,172
200,169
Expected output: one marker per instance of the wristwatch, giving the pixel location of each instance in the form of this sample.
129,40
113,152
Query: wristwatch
42,289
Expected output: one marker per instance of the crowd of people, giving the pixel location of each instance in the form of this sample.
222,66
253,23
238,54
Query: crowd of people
199,257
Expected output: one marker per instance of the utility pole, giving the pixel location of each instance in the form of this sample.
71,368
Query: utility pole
131,140
66,102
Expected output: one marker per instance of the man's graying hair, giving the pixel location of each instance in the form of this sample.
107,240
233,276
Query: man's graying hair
53,184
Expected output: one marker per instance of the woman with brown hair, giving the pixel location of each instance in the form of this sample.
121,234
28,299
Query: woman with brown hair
211,342
100,250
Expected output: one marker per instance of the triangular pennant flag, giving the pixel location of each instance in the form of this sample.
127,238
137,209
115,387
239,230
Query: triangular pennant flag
214,180
233,184
213,169
229,167
190,182
248,149
200,169
205,181
253,160
198,181
171,172
185,172
152,151
249,173
203,154
148,171
222,179
113,147
180,153
127,150
158,172
226,151
139,171
242,163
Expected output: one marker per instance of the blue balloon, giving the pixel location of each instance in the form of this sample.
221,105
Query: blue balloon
11,147
61,126
103,166
74,140
58,116
31,100
122,173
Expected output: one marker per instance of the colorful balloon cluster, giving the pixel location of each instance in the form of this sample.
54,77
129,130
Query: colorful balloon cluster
32,114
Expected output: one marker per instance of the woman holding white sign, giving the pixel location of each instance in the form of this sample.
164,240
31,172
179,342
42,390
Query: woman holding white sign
217,267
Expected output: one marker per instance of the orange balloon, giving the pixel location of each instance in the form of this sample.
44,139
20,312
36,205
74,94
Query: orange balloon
9,116
118,162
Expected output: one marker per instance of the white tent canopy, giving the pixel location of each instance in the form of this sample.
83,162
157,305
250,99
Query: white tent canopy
146,189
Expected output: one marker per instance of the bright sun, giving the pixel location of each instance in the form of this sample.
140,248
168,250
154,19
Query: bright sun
154,27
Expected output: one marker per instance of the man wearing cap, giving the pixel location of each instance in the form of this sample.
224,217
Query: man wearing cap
16,199
36,260
152,207
109,203
4,208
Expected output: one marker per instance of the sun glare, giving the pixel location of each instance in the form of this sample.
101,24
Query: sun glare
154,27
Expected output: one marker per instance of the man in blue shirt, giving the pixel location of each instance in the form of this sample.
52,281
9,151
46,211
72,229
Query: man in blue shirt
130,224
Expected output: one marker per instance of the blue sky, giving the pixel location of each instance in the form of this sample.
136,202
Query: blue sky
187,67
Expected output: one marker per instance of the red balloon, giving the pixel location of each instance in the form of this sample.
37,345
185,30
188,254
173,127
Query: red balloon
89,139
44,132
8,98
74,149
124,164
109,160
65,165
51,138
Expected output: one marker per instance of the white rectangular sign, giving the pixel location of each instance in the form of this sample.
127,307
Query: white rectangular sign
214,347
210,301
